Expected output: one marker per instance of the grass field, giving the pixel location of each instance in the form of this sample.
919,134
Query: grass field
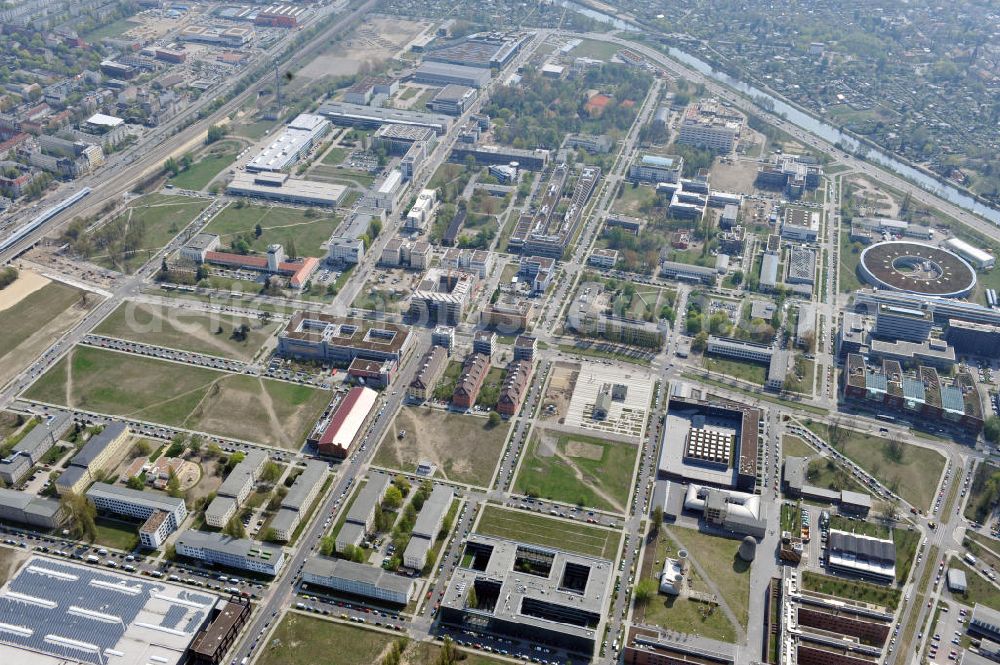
255,130
717,556
32,324
212,160
185,329
906,542
549,532
591,48
851,589
462,447
825,472
119,535
113,29
793,446
298,639
980,589
577,469
162,216
681,614
236,405
287,226
335,156
748,371
915,474
849,260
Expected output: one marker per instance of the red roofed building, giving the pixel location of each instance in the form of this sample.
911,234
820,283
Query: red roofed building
467,388
298,272
347,420
515,384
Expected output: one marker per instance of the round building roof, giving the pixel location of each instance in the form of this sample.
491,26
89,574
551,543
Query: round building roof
914,267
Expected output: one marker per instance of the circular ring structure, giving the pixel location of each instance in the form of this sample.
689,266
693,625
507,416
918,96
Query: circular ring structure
915,267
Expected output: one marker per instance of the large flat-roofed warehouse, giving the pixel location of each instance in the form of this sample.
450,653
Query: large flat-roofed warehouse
710,444
57,612
337,340
440,73
358,579
483,50
281,187
562,601
343,113
295,140
349,418
863,556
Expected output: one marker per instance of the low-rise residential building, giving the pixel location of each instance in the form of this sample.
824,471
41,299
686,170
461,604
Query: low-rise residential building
27,452
514,387
235,489
361,516
162,514
25,508
429,371
222,550
474,371
99,453
300,496
358,579
427,527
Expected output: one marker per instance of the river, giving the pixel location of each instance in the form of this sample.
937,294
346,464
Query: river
809,123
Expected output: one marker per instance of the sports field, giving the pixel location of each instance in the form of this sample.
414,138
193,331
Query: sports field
577,469
186,330
463,448
32,323
290,227
235,405
549,532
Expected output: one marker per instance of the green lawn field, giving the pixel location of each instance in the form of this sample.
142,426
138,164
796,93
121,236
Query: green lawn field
549,532
272,412
718,559
212,160
287,226
577,469
186,330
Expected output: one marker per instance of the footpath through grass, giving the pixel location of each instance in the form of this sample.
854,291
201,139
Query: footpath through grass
718,558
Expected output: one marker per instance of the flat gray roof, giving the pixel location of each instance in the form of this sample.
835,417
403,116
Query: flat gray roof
433,511
322,566
42,435
28,502
314,474
369,496
97,443
219,542
237,478
137,497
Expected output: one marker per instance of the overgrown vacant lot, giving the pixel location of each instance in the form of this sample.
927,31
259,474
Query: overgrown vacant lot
177,395
578,469
186,330
299,230
464,448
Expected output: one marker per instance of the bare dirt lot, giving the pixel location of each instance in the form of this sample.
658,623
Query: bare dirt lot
27,282
377,40
737,177
560,389
462,447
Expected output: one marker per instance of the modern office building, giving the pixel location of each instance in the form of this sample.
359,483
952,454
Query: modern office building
343,113
427,527
441,297
656,168
977,339
162,514
684,272
801,224
276,186
358,579
453,99
296,139
490,155
422,211
99,453
300,497
796,484
902,323
398,139
801,267
561,603
710,124
346,251
338,341
603,258
729,510
440,73
646,645
985,622
219,549
361,516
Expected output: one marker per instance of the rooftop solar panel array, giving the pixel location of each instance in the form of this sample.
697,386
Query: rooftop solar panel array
79,614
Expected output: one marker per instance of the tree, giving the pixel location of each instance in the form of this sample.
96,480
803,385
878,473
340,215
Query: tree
991,429
393,498
81,515
836,433
136,482
215,132
700,342
258,231
142,448
234,528
291,250
494,419
448,655
271,472
645,590
737,277
402,483
656,520
894,449
173,485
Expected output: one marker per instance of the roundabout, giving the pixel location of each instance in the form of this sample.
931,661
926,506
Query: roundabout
914,267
